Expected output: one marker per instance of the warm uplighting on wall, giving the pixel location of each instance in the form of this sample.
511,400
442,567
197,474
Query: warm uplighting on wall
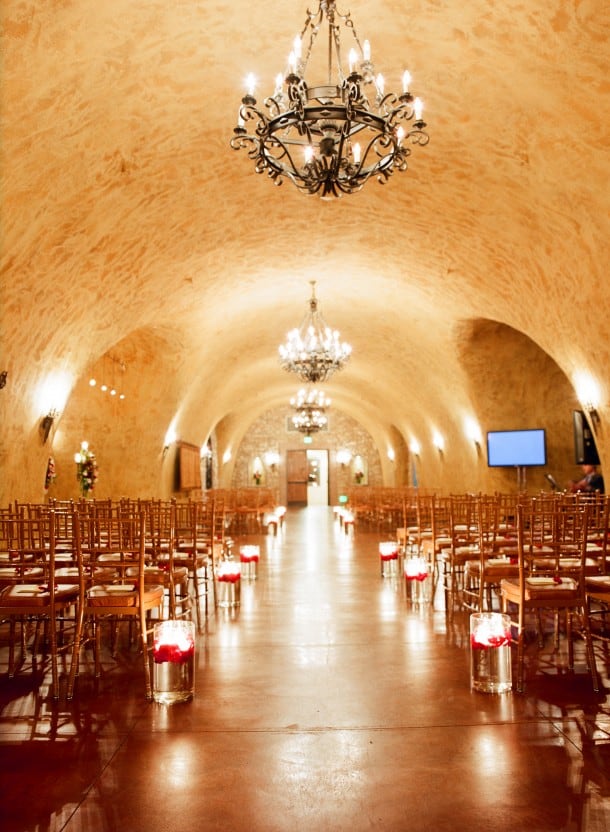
472,431
226,457
391,454
272,459
438,440
344,457
52,395
589,395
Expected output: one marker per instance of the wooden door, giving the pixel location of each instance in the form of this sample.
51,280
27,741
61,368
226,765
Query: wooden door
297,471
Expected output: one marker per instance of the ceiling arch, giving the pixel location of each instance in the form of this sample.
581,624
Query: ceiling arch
127,216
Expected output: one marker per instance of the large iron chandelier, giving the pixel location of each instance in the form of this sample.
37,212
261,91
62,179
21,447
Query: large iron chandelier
331,137
313,351
310,411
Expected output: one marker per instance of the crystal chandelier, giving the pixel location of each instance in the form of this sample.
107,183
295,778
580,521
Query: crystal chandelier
331,137
313,351
310,411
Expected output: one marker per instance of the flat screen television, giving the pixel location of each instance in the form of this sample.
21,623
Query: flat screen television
516,448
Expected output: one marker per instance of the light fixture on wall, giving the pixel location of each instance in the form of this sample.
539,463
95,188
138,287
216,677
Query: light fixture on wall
272,460
313,351
47,423
310,411
108,383
587,390
329,138
472,431
415,447
438,440
344,457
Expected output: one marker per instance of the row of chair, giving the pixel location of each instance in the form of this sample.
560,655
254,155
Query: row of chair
63,572
520,554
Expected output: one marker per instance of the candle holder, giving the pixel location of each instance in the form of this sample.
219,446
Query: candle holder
174,661
417,581
388,558
249,557
490,658
228,584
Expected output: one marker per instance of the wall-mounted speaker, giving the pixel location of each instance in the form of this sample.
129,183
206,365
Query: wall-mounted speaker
585,450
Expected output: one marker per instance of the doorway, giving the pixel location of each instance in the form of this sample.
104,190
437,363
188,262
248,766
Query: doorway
317,478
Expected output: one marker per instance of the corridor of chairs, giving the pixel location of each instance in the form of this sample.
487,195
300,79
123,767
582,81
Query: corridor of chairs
327,700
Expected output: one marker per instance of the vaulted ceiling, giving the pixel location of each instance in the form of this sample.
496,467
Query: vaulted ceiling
131,228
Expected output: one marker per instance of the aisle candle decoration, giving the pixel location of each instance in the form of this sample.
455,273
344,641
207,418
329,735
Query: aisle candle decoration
490,640
249,556
228,583
174,655
416,574
388,555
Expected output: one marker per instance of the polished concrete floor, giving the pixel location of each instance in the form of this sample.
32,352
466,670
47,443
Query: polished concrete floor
324,702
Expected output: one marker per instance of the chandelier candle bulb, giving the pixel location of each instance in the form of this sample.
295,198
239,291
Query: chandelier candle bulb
250,84
418,109
356,153
380,84
366,50
406,81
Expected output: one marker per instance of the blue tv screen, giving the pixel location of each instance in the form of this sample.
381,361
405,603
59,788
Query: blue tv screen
509,448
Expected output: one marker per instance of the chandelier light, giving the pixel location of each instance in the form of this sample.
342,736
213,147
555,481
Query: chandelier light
330,137
310,411
313,351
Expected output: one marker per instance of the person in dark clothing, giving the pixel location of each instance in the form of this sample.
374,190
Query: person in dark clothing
591,481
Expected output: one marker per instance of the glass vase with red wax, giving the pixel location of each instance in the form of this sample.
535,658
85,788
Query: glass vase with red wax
174,661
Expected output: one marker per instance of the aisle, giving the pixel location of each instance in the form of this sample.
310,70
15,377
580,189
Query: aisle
324,703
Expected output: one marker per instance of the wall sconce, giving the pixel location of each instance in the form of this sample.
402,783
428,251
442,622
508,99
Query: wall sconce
46,424
473,432
593,416
391,454
589,396
415,447
344,457
272,460
438,441
257,470
170,437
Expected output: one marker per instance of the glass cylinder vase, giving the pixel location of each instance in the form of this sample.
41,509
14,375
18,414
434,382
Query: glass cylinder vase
174,661
490,656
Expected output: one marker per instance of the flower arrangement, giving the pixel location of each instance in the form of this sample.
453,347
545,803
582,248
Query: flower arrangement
50,475
359,476
86,469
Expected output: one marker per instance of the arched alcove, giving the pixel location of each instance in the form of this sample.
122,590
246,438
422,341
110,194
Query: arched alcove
517,385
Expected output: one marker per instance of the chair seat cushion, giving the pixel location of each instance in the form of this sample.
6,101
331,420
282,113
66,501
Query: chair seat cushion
122,595
156,574
541,589
30,595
